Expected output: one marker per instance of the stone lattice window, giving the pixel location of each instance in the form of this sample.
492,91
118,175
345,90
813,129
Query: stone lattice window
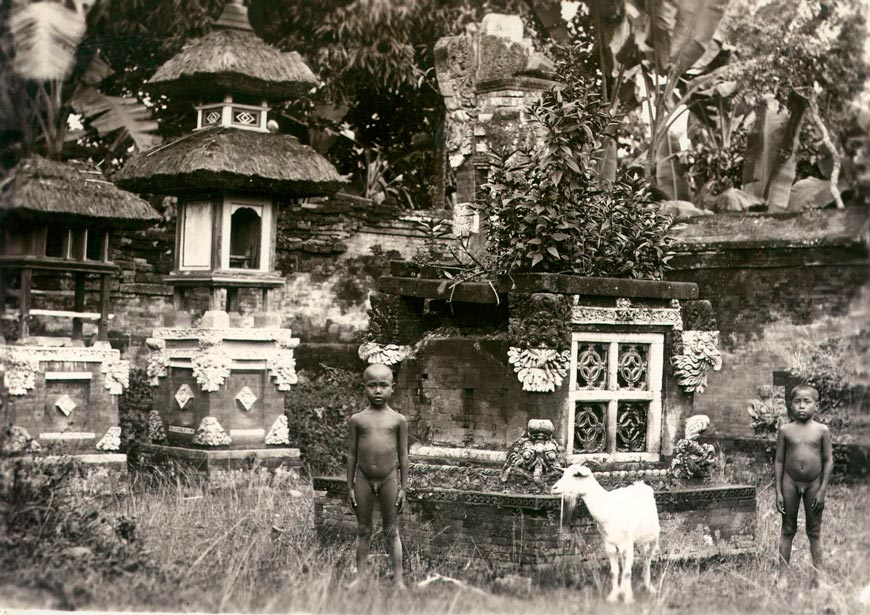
615,400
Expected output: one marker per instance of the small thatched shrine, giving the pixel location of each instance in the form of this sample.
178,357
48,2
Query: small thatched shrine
214,380
57,219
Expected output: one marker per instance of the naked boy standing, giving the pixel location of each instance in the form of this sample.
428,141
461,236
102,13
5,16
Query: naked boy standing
803,466
377,446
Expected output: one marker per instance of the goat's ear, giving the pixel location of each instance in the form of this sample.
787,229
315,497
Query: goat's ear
584,471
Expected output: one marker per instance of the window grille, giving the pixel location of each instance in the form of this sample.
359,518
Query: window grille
615,399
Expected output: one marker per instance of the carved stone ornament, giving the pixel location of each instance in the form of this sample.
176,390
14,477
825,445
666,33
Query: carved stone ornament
211,364
700,352
116,375
282,366
769,411
536,454
387,354
17,440
625,314
246,398
540,320
210,433
280,432
541,370
156,430
111,441
65,404
158,360
20,374
692,459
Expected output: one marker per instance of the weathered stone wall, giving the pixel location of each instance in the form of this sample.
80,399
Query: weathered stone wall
777,284
502,532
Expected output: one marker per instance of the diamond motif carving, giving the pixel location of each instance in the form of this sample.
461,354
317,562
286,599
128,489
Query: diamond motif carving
246,398
65,404
183,396
245,117
212,118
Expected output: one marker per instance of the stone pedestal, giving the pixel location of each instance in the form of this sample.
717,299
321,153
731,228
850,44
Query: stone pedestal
62,397
220,387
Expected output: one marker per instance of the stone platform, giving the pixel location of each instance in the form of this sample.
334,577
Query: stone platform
210,461
88,474
508,532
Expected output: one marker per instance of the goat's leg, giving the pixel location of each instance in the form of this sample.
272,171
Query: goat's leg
649,550
613,556
627,564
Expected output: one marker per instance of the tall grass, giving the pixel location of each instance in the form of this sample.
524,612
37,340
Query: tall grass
247,544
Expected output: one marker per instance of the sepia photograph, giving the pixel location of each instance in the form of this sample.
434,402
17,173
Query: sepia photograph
429,307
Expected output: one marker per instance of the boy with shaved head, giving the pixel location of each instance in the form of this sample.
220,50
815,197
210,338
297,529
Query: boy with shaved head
803,466
377,445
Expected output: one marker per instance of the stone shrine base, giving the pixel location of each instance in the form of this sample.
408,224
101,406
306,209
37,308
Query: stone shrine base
91,474
502,532
210,461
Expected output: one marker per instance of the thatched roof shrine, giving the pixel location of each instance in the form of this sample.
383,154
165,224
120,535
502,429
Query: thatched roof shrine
233,59
227,159
74,191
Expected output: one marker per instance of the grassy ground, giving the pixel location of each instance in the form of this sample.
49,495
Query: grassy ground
249,546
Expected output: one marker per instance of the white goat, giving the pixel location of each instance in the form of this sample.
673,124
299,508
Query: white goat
625,517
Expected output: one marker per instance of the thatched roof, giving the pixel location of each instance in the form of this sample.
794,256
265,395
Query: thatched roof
232,59
231,159
74,191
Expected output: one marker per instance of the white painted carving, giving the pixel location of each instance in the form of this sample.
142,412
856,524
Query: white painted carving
158,360
211,365
696,425
700,353
387,354
210,433
246,398
183,396
116,375
20,374
282,366
626,315
156,432
111,441
280,432
65,404
541,370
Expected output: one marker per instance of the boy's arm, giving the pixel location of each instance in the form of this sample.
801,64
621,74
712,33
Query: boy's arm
827,468
777,469
403,461
351,460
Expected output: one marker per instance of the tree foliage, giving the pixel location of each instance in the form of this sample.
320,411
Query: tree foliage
548,209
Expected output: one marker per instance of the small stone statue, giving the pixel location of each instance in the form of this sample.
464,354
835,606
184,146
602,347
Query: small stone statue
693,459
535,455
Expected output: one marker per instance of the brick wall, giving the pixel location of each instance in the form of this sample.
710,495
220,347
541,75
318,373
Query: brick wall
502,532
775,283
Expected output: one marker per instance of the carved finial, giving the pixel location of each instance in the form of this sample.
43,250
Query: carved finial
696,425
234,16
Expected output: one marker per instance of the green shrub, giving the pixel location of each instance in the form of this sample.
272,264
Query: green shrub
317,413
547,209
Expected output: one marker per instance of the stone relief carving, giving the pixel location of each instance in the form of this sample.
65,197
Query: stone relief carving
20,374
536,454
625,314
116,375
17,440
210,433
279,434
540,331
158,360
111,441
693,459
282,366
388,354
769,411
156,430
699,352
541,370
455,67
211,364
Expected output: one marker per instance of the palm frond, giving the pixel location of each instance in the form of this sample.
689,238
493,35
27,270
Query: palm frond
45,36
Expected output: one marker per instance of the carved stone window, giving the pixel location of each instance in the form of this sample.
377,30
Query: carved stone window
615,398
